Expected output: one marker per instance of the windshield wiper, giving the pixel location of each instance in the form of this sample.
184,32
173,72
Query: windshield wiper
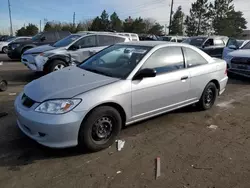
97,71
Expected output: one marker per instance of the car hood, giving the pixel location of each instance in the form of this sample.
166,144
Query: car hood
66,83
39,49
240,53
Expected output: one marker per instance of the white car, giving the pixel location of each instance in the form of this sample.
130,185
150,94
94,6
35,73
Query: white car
4,44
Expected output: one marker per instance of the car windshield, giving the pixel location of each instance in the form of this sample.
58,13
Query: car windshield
240,42
246,46
37,36
116,61
195,41
66,41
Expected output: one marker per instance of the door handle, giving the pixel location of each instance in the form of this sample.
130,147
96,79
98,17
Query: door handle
184,78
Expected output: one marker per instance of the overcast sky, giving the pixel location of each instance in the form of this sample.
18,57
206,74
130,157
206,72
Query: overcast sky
32,11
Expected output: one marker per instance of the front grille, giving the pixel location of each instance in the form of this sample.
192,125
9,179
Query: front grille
27,102
240,60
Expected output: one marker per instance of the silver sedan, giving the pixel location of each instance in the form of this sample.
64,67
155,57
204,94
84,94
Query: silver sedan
125,83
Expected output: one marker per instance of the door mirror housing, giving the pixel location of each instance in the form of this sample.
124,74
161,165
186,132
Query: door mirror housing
145,73
233,47
74,47
43,38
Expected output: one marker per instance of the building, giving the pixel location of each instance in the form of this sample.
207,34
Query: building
245,35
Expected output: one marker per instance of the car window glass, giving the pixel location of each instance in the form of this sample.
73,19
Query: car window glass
105,40
232,42
193,58
209,42
165,60
20,40
119,39
218,42
246,46
50,36
86,42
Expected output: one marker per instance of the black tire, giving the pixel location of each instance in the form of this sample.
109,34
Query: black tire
208,97
5,49
56,63
88,133
3,85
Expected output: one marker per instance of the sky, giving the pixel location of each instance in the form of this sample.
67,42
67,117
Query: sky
32,11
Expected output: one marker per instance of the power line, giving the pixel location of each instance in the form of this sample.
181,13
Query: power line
11,28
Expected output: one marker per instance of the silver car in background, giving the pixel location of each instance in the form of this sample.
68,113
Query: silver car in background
70,50
87,105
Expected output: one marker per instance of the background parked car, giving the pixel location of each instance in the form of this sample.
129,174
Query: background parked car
235,45
5,37
4,44
72,49
173,38
87,105
16,49
212,45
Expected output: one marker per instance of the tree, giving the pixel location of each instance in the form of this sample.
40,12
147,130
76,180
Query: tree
83,25
96,24
149,23
197,22
115,22
176,28
104,21
156,29
225,20
138,26
29,30
127,24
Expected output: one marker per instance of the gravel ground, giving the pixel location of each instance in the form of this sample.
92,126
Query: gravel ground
192,155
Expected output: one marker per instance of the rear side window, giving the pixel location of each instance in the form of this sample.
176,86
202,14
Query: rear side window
232,42
209,42
134,37
218,42
105,40
193,58
165,60
63,34
50,37
118,39
246,46
20,40
86,42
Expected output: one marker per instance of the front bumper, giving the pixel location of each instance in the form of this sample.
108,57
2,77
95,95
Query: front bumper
14,54
240,72
33,61
55,131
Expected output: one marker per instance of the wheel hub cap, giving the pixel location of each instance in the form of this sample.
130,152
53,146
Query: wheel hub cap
103,128
59,67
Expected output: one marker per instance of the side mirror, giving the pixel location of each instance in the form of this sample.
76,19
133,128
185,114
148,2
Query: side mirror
233,47
43,38
144,73
74,47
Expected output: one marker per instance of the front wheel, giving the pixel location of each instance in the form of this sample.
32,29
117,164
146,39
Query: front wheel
56,65
5,50
100,129
208,97
3,85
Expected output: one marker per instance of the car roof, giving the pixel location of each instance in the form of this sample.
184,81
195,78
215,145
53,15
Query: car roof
146,43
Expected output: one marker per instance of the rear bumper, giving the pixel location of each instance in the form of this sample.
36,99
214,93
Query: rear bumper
223,84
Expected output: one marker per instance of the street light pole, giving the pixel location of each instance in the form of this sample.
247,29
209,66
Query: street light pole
11,28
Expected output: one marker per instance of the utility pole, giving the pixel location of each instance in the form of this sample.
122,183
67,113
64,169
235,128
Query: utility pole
170,19
40,25
74,18
11,28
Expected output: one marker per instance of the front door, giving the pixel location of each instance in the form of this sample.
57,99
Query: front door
168,90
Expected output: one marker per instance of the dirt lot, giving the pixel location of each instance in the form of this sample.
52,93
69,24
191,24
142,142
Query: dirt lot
192,155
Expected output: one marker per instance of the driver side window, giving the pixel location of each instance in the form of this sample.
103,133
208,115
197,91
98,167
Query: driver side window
209,42
86,42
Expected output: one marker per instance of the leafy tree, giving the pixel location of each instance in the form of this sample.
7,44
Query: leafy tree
138,26
225,20
128,24
115,22
176,28
83,25
104,21
96,24
149,23
197,22
156,29
29,30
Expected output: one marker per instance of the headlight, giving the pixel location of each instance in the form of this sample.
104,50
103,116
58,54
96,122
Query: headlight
14,46
57,106
46,54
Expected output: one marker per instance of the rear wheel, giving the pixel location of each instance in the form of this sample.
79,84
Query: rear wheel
208,97
56,65
100,129
3,85
5,50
